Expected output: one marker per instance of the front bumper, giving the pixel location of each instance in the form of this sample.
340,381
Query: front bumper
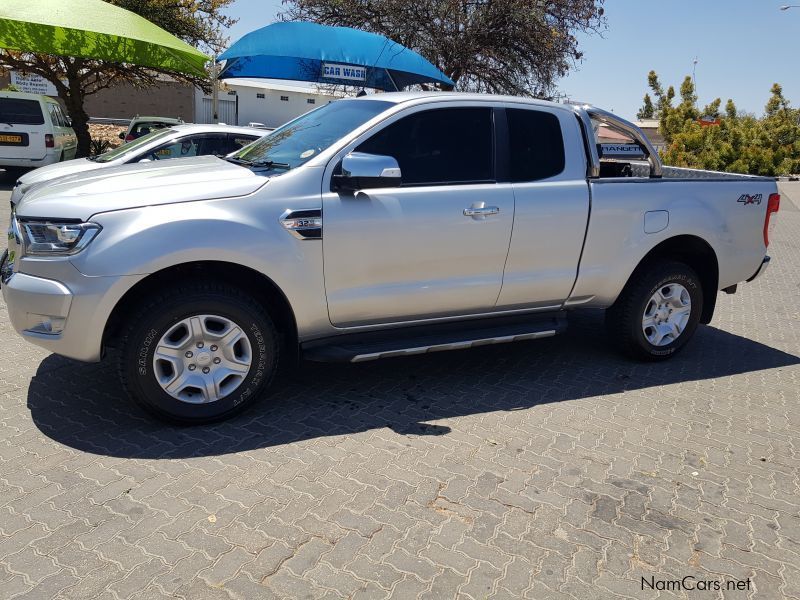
66,314
761,269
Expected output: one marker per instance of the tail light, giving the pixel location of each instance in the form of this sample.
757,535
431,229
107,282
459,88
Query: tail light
49,141
773,205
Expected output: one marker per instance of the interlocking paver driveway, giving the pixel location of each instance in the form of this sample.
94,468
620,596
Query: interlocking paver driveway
551,469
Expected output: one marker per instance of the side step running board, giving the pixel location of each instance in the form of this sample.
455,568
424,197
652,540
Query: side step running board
361,347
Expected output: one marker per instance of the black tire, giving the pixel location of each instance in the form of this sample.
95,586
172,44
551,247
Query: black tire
624,318
171,305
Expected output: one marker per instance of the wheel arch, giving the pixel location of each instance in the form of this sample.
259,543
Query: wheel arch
696,253
264,289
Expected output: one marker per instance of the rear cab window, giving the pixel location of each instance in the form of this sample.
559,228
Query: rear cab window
536,145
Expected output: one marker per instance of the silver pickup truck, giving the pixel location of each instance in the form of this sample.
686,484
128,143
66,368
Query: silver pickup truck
375,227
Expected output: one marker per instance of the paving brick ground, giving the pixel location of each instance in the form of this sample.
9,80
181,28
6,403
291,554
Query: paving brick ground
550,469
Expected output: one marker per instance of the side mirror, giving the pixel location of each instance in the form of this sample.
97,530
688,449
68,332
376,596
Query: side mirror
362,171
122,135
69,121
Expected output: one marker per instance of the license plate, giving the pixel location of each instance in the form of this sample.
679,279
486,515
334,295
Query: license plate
13,139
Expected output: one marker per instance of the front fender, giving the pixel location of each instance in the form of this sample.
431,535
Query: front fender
246,232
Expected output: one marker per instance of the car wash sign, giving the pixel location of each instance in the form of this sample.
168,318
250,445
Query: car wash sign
344,72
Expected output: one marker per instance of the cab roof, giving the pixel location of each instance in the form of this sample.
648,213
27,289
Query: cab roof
402,97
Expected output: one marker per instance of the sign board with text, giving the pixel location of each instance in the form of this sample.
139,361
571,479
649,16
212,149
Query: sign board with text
32,83
345,72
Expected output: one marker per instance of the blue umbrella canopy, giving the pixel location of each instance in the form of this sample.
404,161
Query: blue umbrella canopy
303,51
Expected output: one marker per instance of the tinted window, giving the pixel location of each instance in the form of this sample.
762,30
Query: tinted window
536,145
449,145
197,145
16,111
130,147
145,127
237,142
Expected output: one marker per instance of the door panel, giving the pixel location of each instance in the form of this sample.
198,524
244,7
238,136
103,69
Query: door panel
551,198
410,253
549,226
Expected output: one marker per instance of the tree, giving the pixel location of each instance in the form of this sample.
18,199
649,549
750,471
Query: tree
647,111
739,143
500,46
201,24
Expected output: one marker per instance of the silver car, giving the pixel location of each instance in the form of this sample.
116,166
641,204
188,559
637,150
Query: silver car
376,227
179,141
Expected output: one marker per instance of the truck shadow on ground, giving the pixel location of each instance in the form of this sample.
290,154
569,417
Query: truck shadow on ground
81,406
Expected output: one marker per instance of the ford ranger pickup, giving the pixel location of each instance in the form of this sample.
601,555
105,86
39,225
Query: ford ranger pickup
381,226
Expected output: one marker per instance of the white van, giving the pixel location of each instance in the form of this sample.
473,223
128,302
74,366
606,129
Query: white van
34,131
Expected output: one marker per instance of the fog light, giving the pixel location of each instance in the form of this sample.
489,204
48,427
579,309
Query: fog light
46,324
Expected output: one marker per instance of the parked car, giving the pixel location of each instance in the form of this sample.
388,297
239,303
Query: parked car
260,126
34,131
448,220
179,141
141,126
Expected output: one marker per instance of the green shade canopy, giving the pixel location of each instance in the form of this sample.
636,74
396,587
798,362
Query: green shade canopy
94,29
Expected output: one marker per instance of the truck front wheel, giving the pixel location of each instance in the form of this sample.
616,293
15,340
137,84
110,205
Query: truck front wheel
658,311
198,352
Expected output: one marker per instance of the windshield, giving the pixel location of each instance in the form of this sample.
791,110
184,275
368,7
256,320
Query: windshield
132,146
298,141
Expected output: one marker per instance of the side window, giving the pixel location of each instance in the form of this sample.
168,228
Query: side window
216,144
440,146
536,145
55,115
63,116
236,141
181,148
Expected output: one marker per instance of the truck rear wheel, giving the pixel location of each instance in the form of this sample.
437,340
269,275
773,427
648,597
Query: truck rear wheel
658,311
198,352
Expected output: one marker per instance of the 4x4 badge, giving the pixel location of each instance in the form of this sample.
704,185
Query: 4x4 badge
748,199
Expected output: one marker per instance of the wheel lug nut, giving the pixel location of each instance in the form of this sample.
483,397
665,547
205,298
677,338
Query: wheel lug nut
199,344
206,370
192,367
217,360
213,348
189,354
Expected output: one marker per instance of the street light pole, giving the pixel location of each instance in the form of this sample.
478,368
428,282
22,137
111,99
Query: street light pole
788,6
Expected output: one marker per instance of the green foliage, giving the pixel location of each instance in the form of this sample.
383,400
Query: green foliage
99,146
769,145
647,111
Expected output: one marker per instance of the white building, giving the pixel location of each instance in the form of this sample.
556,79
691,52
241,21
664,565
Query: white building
265,101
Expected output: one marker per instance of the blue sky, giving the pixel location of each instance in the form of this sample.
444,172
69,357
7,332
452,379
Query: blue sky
742,47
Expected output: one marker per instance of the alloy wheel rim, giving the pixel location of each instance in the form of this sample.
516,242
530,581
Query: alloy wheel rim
202,359
666,314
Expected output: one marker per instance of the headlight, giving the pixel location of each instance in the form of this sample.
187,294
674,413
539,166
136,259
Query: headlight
55,238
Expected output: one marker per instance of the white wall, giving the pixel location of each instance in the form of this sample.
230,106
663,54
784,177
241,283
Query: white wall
270,110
